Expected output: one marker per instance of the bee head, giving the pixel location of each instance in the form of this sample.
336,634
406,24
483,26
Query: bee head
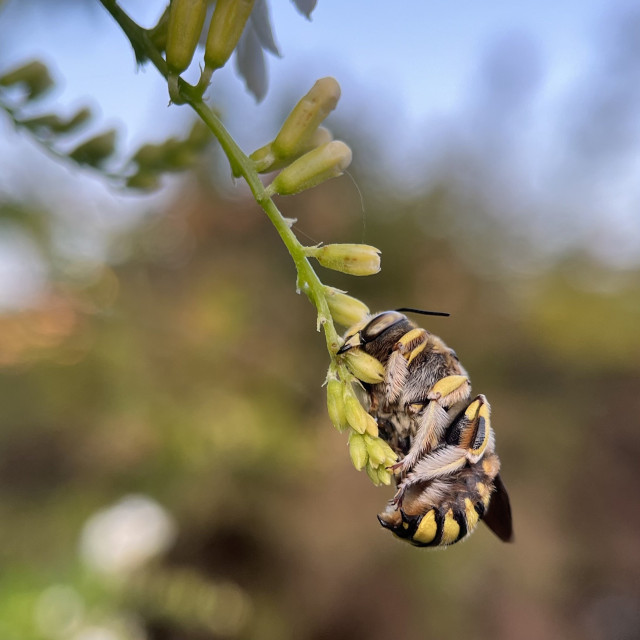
371,328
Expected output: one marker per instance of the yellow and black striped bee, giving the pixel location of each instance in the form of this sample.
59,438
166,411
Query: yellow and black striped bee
447,476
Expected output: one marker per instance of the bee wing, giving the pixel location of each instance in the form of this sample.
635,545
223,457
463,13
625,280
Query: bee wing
498,515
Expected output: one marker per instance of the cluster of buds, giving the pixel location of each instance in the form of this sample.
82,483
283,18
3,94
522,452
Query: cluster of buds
174,154
32,81
184,27
305,155
366,449
303,151
33,77
346,411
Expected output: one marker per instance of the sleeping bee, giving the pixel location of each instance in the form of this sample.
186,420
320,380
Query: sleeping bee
447,477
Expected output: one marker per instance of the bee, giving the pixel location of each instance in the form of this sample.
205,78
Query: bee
447,477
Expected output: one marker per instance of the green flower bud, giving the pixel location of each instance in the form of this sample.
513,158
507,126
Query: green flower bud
227,24
372,427
357,450
359,420
186,19
377,453
384,476
313,168
345,310
143,180
160,32
305,117
354,259
364,367
76,120
95,150
33,75
53,123
265,159
372,472
335,404
390,455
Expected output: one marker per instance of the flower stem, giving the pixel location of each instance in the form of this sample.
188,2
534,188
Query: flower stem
241,164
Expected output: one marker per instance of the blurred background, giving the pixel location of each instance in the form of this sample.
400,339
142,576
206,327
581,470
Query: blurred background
167,467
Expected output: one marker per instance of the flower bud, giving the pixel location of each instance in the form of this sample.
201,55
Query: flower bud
159,34
265,160
305,117
375,450
354,259
364,367
313,168
357,450
95,150
384,476
359,420
53,123
335,404
143,180
345,310
390,455
76,120
372,472
186,19
227,24
33,75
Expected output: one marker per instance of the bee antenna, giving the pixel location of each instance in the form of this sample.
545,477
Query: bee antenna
423,312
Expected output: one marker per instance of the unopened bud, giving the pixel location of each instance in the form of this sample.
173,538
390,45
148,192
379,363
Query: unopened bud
76,120
96,150
313,168
345,310
186,19
377,453
390,455
356,416
265,159
160,32
354,259
143,180
384,476
372,472
53,123
364,367
335,404
357,450
305,117
33,75
227,24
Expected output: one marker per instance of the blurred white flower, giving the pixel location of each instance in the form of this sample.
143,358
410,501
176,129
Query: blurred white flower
123,537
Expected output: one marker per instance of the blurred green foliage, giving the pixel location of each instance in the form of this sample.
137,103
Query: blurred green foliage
191,373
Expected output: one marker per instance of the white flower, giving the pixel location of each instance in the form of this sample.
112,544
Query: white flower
123,537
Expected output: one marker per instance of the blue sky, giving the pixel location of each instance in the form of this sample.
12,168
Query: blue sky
417,64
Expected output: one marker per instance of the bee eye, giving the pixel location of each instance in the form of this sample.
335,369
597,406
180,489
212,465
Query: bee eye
378,325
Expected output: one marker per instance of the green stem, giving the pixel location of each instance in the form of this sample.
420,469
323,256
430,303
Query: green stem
241,164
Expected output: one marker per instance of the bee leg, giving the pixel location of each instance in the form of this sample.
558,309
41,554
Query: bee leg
404,351
434,420
472,430
441,462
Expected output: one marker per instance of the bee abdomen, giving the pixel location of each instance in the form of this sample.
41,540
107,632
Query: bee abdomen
439,528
